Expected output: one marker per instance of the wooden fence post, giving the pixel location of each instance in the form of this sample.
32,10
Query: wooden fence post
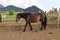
58,19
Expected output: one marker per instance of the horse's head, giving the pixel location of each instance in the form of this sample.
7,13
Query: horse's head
17,17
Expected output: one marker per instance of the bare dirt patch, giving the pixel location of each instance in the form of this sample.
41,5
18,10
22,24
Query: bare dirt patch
13,31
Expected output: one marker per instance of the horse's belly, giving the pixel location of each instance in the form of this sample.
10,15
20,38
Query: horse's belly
34,20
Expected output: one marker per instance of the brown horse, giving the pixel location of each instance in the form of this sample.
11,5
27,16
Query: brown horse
33,18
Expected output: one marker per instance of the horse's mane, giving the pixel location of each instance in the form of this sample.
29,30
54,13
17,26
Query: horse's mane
23,15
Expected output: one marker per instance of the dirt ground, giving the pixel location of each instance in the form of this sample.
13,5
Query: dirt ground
13,31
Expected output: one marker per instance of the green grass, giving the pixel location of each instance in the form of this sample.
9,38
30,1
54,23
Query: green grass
9,17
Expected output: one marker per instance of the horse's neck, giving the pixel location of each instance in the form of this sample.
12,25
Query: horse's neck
25,15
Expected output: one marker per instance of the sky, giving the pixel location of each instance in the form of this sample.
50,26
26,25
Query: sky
42,4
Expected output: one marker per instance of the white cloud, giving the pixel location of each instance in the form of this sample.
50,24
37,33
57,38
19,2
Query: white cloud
10,2
43,4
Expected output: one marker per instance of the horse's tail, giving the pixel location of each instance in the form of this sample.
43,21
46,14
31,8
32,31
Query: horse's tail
44,21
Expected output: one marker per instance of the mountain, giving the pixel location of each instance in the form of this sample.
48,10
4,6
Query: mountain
11,7
17,9
33,9
1,6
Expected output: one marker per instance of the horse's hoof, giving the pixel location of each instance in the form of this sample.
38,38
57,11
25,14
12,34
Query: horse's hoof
44,29
23,30
41,29
31,29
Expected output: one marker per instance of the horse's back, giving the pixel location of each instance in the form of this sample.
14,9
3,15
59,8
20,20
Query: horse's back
34,17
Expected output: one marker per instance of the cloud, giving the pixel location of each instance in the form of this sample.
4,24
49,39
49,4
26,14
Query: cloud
21,3
42,4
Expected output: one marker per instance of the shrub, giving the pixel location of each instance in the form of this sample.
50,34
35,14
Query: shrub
11,12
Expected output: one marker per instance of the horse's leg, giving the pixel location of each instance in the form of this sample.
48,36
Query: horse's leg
25,26
41,25
30,26
44,26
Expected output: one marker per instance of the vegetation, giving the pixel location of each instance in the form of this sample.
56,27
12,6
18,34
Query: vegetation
11,12
9,17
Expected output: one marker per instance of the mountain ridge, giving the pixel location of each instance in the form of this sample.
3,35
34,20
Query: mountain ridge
11,7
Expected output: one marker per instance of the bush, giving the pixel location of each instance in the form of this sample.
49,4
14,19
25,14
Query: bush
11,12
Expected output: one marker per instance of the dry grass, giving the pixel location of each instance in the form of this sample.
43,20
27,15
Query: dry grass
13,31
